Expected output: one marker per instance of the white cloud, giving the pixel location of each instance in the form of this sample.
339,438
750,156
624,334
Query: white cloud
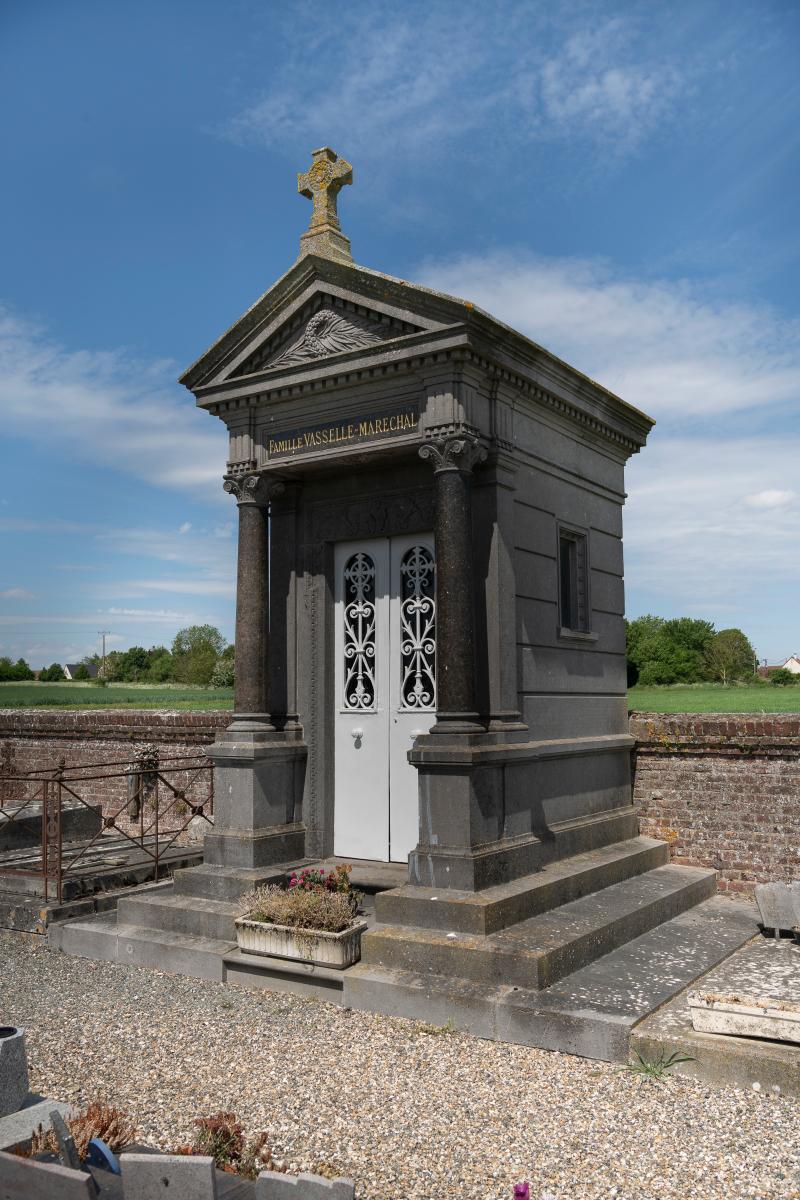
184,587
16,593
185,527
712,517
663,346
132,615
412,84
770,499
591,89
149,614
105,407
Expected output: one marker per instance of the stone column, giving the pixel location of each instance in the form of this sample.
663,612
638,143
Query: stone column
453,458
258,769
253,493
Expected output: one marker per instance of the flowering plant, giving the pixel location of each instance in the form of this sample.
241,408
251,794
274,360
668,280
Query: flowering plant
314,880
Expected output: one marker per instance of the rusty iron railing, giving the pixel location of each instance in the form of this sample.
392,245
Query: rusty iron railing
159,799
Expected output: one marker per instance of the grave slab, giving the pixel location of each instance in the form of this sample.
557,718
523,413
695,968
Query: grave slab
763,968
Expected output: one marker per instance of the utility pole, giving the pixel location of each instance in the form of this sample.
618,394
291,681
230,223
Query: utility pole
103,633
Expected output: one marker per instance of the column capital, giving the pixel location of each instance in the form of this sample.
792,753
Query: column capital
253,488
454,451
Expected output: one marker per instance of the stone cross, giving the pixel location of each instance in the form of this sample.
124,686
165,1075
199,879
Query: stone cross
322,183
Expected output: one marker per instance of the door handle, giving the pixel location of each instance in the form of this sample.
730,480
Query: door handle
356,734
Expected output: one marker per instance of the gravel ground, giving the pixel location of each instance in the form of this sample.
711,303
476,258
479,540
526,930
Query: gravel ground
404,1110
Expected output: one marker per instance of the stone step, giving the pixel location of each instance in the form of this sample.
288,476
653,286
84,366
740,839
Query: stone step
193,915
495,908
540,950
591,1012
224,883
166,950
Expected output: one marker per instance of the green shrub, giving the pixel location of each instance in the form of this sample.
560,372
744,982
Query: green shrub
783,678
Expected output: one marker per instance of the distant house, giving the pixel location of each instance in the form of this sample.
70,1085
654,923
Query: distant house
792,664
71,668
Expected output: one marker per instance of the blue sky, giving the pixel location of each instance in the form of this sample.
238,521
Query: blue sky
617,180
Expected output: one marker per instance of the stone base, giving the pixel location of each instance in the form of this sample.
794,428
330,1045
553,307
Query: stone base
258,793
255,847
497,807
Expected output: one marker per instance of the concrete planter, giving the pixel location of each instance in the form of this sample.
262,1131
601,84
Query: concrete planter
745,1016
305,945
13,1070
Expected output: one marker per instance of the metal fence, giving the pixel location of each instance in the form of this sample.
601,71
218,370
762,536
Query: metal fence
155,802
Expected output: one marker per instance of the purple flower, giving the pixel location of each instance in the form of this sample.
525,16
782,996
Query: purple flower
522,1191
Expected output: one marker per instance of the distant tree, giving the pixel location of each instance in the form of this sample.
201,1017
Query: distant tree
159,667
52,674
729,656
109,670
14,671
195,651
132,665
223,673
661,651
81,673
641,636
783,678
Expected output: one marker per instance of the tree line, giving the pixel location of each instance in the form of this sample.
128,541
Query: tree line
199,655
685,650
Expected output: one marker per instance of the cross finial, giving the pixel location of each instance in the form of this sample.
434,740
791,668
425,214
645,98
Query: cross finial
322,183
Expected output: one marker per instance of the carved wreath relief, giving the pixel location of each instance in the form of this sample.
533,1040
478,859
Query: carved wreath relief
418,630
359,633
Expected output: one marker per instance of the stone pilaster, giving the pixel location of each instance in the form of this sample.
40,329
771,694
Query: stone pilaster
453,458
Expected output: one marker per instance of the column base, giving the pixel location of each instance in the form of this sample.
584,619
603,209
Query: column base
473,869
256,847
259,773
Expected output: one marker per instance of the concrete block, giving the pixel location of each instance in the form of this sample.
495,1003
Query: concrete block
779,905
170,1176
25,1179
13,1069
271,1185
18,1128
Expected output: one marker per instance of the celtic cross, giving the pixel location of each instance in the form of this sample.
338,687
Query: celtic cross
321,183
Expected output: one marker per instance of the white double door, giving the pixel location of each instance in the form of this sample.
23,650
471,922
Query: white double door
385,646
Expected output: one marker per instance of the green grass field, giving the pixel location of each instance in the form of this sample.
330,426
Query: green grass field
710,697
689,697
114,695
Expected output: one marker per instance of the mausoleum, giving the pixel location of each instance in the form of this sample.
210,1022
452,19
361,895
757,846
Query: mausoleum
430,665
430,647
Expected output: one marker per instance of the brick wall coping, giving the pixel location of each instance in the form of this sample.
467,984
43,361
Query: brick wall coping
113,723
728,733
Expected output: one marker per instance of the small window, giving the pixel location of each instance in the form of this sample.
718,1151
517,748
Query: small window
573,581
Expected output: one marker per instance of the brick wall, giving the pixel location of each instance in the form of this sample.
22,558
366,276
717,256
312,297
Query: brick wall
724,790
35,740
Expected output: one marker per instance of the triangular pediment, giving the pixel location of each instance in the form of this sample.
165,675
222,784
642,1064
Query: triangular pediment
321,309
327,325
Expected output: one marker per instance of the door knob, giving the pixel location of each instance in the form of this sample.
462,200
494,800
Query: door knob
356,734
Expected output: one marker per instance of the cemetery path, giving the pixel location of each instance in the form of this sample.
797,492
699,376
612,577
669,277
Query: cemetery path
406,1110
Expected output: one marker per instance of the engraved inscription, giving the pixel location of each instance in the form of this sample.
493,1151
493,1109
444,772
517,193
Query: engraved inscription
298,441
